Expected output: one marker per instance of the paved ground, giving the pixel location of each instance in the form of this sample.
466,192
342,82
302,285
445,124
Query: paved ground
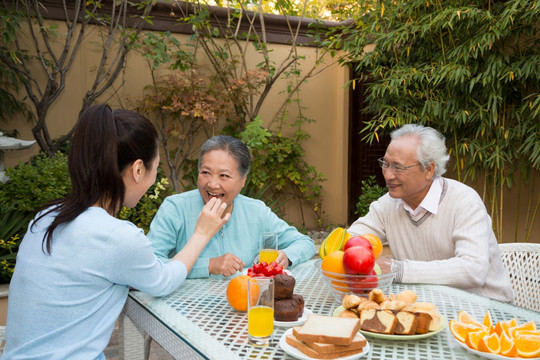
112,352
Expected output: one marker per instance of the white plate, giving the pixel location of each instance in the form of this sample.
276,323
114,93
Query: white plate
294,352
244,272
444,324
488,355
300,321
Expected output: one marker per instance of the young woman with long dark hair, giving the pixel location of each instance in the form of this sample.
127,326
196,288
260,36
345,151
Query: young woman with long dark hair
77,261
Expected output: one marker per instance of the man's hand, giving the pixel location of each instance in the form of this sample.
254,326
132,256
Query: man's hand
385,264
226,265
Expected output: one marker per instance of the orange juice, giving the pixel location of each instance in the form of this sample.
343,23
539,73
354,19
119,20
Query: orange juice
260,321
268,255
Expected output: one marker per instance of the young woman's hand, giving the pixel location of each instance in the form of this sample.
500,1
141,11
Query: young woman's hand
211,218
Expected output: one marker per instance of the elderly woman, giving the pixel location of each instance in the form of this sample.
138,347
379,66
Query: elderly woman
223,167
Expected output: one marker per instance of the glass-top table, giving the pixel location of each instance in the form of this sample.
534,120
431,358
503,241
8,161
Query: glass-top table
196,321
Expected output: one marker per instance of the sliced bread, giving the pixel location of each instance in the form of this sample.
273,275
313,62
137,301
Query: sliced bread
378,321
309,351
358,342
424,320
328,330
407,323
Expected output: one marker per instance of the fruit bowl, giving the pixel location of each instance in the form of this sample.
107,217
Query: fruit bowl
361,285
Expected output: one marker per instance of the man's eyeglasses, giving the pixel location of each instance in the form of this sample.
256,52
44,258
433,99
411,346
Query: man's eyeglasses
398,169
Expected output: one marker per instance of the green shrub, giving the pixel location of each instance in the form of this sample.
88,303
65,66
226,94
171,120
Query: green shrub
370,192
142,214
34,183
30,186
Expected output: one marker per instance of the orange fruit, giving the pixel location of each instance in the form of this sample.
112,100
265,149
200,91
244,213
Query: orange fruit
490,344
528,346
487,319
461,330
508,348
531,325
473,338
376,244
237,292
466,318
333,262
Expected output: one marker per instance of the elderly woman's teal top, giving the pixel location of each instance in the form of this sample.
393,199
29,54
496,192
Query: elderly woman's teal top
175,222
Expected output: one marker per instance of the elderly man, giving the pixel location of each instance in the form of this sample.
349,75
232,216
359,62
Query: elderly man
438,229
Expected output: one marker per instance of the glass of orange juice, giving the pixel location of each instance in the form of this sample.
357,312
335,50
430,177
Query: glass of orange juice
268,247
260,310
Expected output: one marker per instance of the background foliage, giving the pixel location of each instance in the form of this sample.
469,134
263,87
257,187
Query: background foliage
226,95
370,192
31,185
469,69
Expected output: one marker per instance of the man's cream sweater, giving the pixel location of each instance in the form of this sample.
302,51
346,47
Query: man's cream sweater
455,247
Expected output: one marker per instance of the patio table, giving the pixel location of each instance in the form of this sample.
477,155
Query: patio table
196,322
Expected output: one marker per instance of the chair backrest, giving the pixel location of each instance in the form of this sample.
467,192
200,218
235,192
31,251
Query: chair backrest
522,261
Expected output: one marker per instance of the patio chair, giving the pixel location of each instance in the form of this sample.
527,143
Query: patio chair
522,261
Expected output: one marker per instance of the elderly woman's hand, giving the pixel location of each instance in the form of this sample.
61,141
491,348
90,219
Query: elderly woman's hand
282,259
226,265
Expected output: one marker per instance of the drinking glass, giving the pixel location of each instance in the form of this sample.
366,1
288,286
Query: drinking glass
260,310
268,248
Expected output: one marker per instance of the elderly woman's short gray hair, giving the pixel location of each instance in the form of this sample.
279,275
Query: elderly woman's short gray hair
431,149
238,150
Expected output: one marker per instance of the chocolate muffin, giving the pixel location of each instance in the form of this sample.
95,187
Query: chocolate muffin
300,301
286,310
283,286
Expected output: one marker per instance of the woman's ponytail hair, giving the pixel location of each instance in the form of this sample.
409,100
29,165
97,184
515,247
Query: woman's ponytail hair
105,143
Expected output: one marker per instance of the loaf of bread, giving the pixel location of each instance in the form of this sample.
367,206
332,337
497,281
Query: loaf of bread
328,330
351,301
378,321
407,296
348,314
367,305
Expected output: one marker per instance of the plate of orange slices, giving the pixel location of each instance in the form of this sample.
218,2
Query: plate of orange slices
507,339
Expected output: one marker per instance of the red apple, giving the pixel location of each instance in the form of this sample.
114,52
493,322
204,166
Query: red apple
358,241
358,260
364,285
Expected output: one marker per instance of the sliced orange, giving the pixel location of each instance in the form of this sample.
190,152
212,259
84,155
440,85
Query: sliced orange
505,325
519,333
508,348
487,319
490,344
466,318
528,346
460,330
531,325
473,338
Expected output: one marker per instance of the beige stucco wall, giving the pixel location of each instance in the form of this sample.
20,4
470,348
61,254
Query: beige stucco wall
323,96
325,100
